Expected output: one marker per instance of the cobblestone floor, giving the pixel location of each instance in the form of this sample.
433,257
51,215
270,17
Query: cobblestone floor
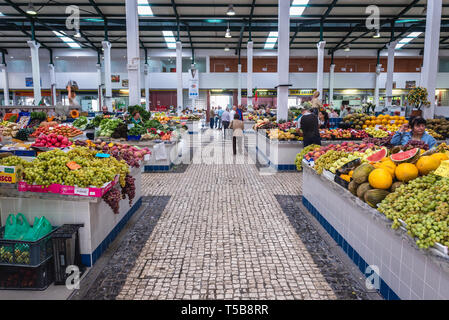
226,232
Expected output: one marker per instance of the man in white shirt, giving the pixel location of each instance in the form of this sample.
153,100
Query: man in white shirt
225,121
232,113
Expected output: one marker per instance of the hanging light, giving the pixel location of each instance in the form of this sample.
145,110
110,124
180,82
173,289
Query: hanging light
228,32
347,49
31,10
230,11
377,34
78,34
226,48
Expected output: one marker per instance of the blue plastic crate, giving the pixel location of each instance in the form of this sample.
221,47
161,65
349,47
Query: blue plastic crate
136,138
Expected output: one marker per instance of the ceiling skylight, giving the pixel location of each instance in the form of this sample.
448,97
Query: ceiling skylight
271,40
169,39
407,39
144,8
67,40
298,7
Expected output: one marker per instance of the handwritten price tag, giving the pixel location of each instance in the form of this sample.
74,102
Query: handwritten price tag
73,165
81,191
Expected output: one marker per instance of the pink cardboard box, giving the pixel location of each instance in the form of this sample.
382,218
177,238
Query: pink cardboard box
23,186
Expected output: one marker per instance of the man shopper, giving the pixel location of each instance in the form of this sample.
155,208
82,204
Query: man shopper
226,120
310,128
218,120
212,117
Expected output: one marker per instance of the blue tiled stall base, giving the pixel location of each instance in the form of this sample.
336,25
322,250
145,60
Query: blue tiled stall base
157,168
278,167
385,290
86,258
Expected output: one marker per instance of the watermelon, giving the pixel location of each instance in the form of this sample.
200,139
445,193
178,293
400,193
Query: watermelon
410,156
378,155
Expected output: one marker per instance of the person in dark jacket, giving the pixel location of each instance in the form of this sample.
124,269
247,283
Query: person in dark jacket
310,128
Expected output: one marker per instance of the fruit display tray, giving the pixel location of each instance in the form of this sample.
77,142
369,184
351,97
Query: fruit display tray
69,190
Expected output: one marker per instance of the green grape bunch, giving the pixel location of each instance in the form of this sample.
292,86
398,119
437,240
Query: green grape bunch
326,160
423,204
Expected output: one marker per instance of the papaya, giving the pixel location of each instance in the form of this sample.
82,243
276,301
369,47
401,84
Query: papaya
374,196
361,173
352,187
396,185
364,187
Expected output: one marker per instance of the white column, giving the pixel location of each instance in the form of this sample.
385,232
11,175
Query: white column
320,68
283,58
249,73
207,64
5,83
390,70
431,50
179,94
133,52
107,75
146,73
331,83
100,91
376,87
34,46
51,69
239,84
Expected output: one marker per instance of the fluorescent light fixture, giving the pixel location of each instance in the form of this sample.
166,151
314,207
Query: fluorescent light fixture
144,8
93,19
230,11
30,9
271,40
67,40
169,39
407,20
298,7
214,20
407,39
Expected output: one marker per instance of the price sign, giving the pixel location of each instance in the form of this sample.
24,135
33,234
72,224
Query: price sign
443,169
102,155
7,177
73,165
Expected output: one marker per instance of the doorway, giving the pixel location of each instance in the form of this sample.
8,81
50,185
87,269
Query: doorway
222,101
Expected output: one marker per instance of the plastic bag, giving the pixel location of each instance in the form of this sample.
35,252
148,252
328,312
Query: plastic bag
41,228
160,152
16,227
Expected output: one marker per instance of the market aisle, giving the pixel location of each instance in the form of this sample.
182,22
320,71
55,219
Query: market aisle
224,235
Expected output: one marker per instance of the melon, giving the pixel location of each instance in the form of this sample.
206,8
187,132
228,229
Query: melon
426,164
374,196
440,156
378,156
406,156
364,187
396,185
406,172
352,187
380,179
362,172
390,166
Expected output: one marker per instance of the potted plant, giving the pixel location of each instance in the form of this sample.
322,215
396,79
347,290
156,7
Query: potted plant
417,97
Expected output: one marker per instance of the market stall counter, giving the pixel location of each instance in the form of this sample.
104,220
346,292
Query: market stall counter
101,225
402,269
164,154
281,154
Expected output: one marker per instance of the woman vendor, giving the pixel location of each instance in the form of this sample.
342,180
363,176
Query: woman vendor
417,132
136,118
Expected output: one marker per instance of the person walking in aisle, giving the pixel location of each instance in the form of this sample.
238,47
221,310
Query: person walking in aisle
310,127
226,120
212,117
233,112
218,120
237,134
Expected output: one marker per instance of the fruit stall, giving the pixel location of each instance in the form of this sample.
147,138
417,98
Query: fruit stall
387,210
80,186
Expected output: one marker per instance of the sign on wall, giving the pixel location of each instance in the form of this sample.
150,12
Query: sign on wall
193,84
29,82
410,84
125,83
115,78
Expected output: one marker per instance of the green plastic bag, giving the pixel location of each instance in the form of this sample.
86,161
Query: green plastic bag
41,228
16,227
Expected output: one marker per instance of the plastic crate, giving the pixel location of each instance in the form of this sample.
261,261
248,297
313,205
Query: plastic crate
137,138
25,278
66,251
25,253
